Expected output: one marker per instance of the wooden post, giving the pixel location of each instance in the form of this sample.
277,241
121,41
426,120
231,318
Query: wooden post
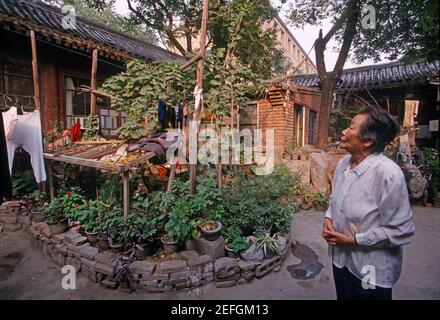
200,67
172,175
125,193
258,115
93,82
35,71
49,171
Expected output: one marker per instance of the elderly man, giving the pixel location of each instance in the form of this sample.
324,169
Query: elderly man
369,218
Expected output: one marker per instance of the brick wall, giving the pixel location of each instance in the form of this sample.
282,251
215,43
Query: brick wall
277,112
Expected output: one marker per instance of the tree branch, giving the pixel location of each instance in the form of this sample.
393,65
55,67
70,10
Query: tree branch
349,33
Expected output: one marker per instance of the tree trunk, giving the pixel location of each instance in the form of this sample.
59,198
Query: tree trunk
324,116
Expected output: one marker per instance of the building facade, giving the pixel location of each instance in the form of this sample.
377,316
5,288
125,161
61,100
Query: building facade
60,68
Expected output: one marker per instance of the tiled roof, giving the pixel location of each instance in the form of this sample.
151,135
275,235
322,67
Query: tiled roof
393,74
42,14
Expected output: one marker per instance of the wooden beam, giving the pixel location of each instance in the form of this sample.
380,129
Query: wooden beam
35,70
114,167
49,170
200,69
125,193
194,59
93,82
172,175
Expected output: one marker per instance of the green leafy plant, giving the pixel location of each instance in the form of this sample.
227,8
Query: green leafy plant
320,199
258,202
23,183
239,244
70,201
91,128
432,158
269,244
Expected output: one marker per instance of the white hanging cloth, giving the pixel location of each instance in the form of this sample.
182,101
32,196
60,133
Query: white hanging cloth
25,133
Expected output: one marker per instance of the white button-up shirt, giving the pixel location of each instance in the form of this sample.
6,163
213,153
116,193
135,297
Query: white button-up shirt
371,203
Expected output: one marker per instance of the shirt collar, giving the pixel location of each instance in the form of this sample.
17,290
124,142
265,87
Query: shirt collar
361,167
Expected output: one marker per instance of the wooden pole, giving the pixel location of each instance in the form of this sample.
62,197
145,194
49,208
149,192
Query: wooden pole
93,82
49,169
35,76
200,67
258,115
172,175
125,193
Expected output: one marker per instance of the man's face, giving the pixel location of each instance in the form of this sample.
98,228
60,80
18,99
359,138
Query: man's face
351,140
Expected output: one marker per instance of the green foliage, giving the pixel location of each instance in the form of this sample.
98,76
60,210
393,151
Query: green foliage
23,183
239,244
91,128
188,211
238,24
70,202
228,82
88,216
320,199
259,202
268,243
432,158
138,90
149,212
403,28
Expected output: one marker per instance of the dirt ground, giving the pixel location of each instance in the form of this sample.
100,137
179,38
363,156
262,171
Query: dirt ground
25,273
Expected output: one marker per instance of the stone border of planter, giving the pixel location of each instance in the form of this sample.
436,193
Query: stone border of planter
190,270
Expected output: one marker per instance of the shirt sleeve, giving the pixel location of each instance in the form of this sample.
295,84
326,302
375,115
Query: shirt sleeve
396,223
328,213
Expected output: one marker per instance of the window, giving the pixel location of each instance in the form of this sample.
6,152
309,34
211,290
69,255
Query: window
16,83
312,120
77,102
78,106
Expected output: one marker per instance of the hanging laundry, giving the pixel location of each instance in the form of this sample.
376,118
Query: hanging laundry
75,132
27,135
162,114
180,115
171,116
10,117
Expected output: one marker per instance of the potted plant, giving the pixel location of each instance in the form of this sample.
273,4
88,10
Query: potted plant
269,244
211,230
306,200
39,215
56,221
320,202
238,244
169,244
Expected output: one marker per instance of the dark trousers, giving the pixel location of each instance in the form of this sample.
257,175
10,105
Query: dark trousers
349,287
